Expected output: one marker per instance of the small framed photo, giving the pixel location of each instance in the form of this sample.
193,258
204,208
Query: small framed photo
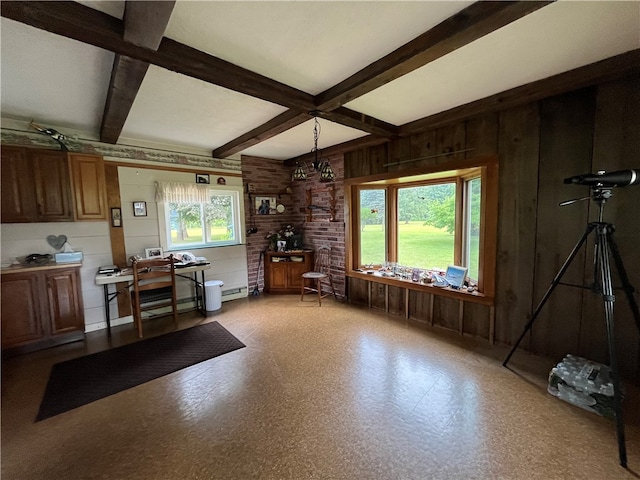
202,178
139,209
116,217
154,252
266,205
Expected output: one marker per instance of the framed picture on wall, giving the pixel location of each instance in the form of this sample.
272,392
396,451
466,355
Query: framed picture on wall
139,209
116,217
202,178
266,205
154,252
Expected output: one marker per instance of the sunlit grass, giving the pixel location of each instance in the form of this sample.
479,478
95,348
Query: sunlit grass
421,246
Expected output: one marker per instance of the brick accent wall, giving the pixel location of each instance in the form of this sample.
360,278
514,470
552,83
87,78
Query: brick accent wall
271,178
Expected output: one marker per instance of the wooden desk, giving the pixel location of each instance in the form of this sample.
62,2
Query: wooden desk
188,272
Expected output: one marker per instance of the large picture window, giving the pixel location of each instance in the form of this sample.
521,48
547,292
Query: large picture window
425,221
208,218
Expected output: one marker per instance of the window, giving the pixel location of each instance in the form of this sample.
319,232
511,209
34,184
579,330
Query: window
210,217
427,220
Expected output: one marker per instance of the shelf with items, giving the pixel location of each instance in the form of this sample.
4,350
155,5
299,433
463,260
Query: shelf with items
312,208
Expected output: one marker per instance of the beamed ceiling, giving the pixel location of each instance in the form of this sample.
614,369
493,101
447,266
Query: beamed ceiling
241,77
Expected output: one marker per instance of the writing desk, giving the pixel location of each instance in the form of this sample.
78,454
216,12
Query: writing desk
190,272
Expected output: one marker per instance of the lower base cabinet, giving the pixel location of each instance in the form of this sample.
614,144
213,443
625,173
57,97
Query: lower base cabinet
40,309
283,271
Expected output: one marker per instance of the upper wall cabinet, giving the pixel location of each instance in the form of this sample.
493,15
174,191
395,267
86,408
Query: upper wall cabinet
44,186
35,186
87,178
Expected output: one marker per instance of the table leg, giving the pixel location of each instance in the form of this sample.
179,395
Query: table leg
107,312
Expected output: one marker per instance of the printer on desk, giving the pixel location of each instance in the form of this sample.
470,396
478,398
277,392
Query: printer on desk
108,269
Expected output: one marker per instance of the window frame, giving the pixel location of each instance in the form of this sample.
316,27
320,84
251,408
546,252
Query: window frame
486,168
237,205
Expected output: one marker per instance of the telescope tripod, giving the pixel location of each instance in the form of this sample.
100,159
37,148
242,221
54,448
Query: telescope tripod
605,247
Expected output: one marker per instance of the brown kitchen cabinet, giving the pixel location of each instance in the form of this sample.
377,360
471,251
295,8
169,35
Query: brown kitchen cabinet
35,186
283,271
41,307
89,188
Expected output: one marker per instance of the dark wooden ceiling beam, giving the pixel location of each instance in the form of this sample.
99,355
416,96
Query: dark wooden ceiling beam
275,126
75,21
468,25
609,69
360,121
144,25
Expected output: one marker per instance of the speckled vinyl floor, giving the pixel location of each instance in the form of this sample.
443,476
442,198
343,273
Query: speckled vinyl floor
336,392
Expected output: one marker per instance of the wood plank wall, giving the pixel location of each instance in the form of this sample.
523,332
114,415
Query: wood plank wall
538,145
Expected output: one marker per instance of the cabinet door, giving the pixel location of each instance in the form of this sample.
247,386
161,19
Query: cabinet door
65,301
278,275
51,179
87,178
18,190
22,311
296,269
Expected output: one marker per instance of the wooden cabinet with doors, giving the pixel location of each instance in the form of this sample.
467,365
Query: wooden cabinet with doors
283,271
35,186
88,182
41,307
41,185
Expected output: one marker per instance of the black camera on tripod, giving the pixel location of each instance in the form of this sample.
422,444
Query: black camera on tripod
621,178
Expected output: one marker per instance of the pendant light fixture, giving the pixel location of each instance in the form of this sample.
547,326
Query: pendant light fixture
326,172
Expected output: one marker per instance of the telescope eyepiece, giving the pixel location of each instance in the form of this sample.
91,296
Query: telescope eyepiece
621,178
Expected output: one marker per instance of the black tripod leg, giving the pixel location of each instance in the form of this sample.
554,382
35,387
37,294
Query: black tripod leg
609,299
626,284
554,284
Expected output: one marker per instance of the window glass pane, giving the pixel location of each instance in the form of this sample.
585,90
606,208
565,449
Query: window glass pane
426,225
372,226
185,223
219,219
472,254
194,225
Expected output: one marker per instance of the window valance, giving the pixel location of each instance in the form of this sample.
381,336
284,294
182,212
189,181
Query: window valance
182,192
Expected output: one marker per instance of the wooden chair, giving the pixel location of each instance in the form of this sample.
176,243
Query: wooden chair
154,286
321,273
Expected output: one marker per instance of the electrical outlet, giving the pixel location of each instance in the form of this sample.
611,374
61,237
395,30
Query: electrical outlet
251,187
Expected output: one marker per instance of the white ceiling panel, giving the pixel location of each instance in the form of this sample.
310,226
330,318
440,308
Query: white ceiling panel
49,78
307,45
174,108
555,39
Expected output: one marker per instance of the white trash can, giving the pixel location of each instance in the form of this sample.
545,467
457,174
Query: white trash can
213,291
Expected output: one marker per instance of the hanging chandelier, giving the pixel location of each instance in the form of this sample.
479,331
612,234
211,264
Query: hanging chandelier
324,167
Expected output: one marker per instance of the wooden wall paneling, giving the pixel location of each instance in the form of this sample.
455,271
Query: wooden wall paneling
358,291
116,234
481,136
446,312
396,297
378,296
449,139
476,320
420,306
399,151
423,146
617,147
566,142
518,185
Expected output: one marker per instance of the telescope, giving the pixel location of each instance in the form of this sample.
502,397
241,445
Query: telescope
621,178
